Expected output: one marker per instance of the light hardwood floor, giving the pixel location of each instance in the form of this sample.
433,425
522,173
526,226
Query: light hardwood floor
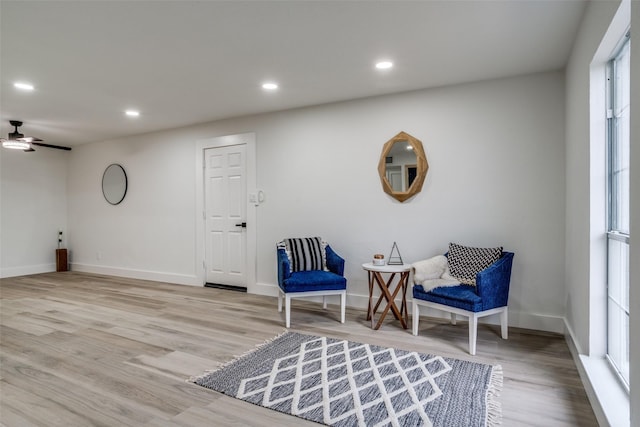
79,349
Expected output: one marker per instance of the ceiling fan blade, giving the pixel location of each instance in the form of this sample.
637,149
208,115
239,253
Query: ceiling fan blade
29,139
57,147
28,150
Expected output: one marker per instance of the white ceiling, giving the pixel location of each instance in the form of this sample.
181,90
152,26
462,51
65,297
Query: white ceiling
187,62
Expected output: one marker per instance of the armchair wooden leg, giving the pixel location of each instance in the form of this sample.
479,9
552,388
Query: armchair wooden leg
504,324
415,317
279,302
287,311
473,333
343,306
324,302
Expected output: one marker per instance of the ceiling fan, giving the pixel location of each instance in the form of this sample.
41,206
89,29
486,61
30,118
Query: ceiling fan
18,141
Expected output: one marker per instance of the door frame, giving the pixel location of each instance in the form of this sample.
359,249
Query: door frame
249,140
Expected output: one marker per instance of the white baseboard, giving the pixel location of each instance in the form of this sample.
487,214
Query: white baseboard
540,322
27,270
180,279
265,289
534,321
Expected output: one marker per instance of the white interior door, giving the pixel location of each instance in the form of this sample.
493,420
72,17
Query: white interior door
225,215
394,176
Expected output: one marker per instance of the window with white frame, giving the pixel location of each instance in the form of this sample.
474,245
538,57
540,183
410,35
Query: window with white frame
618,143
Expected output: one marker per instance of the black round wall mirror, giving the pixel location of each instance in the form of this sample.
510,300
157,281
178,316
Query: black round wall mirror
114,184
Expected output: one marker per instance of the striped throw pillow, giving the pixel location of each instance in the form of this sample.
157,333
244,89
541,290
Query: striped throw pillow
306,253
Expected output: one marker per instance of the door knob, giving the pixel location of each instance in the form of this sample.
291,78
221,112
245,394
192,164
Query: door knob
242,224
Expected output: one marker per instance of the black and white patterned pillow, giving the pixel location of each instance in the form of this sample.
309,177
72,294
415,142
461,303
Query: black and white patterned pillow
308,253
465,262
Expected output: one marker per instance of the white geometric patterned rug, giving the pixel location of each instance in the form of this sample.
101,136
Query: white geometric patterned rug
344,383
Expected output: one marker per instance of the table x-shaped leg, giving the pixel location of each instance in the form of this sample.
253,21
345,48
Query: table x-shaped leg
402,314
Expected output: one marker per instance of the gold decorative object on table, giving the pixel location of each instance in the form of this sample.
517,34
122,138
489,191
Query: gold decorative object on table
378,259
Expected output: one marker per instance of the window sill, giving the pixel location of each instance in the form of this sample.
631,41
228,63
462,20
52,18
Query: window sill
607,390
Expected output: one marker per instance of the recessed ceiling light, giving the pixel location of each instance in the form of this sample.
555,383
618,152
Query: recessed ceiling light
132,113
269,86
384,65
23,86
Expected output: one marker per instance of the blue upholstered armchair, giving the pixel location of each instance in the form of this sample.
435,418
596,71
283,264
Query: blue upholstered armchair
489,295
299,275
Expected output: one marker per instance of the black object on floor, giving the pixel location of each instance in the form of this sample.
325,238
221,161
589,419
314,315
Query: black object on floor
227,287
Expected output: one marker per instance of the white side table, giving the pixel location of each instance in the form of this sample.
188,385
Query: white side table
389,293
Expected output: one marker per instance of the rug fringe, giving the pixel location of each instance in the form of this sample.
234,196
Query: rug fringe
221,365
494,407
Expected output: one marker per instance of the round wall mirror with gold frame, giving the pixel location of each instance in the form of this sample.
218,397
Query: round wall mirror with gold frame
403,166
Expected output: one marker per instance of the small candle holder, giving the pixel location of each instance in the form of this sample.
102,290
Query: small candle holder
378,259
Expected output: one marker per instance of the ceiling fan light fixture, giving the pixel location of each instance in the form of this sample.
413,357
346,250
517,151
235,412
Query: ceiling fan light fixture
132,113
17,140
15,144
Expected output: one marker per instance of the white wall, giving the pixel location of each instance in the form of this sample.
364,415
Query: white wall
496,177
585,223
33,208
151,233
602,27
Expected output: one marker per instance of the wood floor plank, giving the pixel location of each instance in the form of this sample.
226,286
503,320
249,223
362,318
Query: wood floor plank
44,399
80,349
177,364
